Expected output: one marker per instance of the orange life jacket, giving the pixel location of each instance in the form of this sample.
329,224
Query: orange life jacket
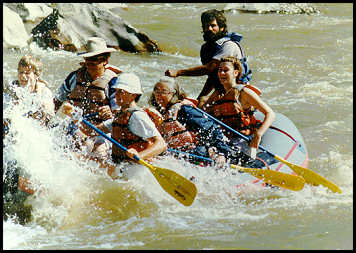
89,96
229,110
173,132
122,134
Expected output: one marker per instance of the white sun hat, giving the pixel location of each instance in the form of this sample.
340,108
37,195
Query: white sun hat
128,82
96,46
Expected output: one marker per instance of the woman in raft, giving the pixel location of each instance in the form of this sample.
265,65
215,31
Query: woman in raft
236,106
166,100
198,136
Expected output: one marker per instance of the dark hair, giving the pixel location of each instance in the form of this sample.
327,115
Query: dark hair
210,15
235,63
106,55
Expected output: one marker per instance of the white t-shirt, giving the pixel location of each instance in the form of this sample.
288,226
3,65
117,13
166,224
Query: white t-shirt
139,124
229,48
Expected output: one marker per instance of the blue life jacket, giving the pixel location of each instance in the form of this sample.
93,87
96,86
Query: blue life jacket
208,50
211,135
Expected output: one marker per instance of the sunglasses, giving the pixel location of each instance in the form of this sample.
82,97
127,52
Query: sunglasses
162,92
95,59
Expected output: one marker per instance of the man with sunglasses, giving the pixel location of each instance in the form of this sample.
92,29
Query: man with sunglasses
89,88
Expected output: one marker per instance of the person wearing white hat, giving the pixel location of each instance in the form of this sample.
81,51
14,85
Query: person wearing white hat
132,127
89,88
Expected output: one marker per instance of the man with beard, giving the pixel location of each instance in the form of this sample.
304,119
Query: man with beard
218,44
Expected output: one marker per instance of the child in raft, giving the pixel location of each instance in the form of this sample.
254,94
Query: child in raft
29,70
16,186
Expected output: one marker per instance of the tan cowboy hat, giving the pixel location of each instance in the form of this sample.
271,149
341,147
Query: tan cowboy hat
128,82
96,46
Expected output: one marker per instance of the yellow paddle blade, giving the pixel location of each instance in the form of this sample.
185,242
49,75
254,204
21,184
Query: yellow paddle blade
310,176
280,179
174,184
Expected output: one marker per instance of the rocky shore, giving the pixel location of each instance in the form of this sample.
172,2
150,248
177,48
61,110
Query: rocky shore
66,26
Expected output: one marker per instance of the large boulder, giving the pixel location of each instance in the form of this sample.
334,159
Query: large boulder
30,12
280,8
14,33
70,24
67,26
55,33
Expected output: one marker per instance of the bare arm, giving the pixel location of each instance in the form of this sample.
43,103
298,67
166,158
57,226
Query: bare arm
84,130
47,101
194,71
46,111
158,147
212,66
250,98
201,70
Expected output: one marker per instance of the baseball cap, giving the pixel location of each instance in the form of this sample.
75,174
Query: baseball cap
128,82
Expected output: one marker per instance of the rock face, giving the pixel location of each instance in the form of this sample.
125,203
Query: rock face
53,32
30,12
14,33
69,25
281,8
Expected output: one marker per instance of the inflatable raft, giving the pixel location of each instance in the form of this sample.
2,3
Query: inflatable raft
283,139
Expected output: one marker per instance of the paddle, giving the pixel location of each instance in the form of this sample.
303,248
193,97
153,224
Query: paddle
174,184
310,176
280,179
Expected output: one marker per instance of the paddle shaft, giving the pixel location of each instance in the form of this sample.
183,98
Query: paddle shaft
90,115
174,184
192,155
108,138
287,181
232,130
310,176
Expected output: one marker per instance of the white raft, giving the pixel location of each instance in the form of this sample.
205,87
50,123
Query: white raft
282,139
